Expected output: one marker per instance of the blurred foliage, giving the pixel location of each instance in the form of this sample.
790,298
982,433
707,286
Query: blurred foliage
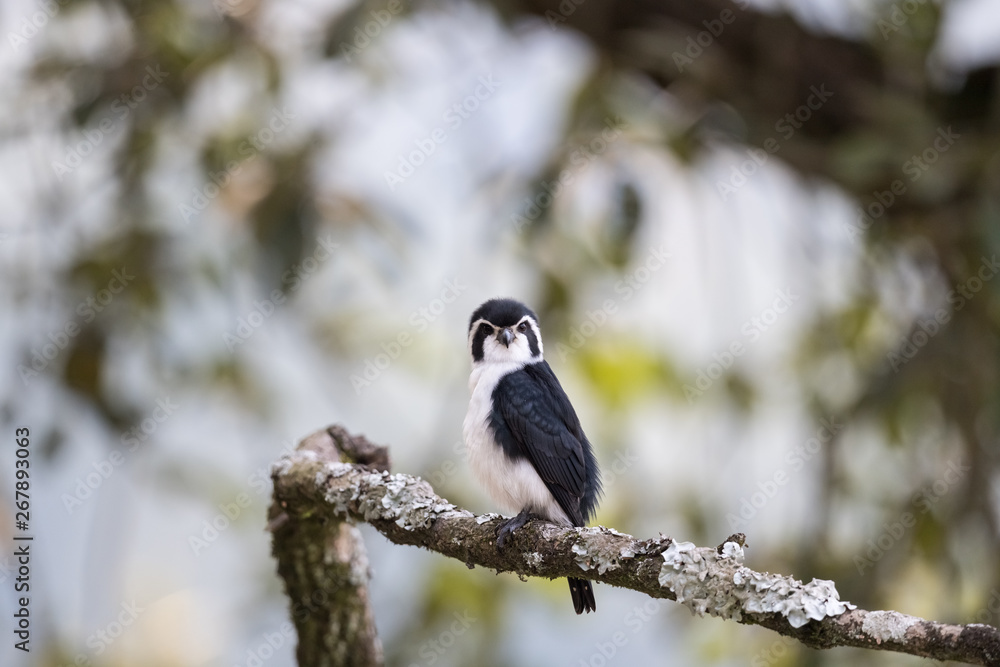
887,107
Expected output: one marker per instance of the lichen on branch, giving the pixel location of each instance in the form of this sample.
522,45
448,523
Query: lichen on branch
313,484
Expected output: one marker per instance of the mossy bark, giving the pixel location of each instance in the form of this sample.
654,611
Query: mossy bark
321,558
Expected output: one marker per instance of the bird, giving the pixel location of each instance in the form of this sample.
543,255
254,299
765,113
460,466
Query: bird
524,440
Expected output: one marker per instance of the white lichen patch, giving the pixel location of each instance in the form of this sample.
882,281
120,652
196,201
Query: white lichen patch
337,468
733,550
393,489
331,469
676,553
799,602
887,625
408,501
411,502
285,463
582,558
592,552
484,518
533,559
706,582
281,466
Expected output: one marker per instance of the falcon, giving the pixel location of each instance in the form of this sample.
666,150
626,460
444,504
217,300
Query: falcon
525,443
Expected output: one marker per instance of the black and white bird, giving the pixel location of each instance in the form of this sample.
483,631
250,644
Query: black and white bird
524,440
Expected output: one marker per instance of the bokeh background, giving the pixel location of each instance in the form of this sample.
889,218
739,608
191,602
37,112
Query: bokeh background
761,236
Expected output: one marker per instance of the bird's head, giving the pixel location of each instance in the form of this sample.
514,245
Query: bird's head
504,331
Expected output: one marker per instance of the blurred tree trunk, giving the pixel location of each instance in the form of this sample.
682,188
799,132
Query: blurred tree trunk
324,565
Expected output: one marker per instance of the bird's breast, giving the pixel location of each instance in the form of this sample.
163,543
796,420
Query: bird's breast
513,484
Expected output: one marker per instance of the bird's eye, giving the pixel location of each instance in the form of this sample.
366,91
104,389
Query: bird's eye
522,327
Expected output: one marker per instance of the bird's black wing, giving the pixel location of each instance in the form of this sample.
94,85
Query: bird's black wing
533,419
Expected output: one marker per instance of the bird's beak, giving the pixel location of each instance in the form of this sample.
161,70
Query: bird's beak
505,336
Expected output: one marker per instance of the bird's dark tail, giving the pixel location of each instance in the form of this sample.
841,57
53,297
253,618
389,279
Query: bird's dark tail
583,595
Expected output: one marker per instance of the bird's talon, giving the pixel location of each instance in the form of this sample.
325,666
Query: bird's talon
506,528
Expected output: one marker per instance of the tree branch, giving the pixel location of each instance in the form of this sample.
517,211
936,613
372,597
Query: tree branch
313,486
